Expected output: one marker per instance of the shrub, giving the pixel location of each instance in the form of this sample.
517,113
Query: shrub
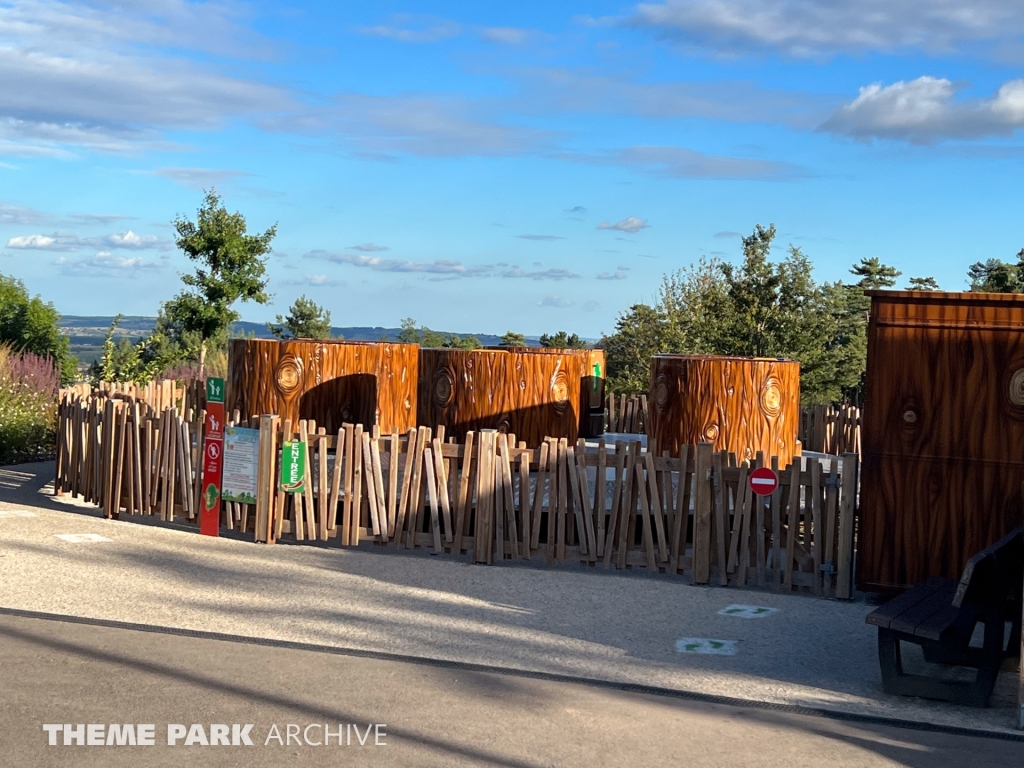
29,385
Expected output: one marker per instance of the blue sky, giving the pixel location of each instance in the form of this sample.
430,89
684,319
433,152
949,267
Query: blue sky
528,166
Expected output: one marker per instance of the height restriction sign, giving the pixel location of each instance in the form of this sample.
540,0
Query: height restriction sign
213,457
763,481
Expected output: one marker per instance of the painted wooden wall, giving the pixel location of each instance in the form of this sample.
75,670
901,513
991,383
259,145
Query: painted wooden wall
333,382
943,433
741,405
532,393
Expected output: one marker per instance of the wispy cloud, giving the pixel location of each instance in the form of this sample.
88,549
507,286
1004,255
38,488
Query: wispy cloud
681,163
410,28
727,235
16,214
127,80
66,241
199,178
540,237
618,274
630,224
591,306
380,127
378,264
546,274
824,28
556,302
577,209
369,248
106,264
506,35
315,281
925,110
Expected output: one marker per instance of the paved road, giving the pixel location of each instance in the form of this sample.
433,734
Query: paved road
57,672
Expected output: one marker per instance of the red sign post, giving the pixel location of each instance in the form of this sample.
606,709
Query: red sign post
763,481
213,458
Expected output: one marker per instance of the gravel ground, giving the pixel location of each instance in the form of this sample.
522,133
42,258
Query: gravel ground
573,620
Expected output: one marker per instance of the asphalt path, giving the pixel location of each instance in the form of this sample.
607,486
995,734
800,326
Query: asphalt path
57,672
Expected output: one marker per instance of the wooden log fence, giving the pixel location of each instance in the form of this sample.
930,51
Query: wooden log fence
489,498
830,429
626,413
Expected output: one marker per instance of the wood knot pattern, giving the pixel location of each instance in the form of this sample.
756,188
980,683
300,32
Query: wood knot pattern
771,397
289,373
1017,388
444,387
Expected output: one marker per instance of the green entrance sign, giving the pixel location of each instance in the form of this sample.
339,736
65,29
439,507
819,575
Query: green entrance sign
214,390
293,467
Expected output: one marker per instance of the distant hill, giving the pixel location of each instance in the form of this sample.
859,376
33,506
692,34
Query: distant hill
88,332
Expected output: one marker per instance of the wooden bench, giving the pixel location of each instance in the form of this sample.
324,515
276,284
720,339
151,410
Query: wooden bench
940,615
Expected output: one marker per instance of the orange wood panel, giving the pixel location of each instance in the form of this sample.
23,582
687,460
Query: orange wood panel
742,405
332,382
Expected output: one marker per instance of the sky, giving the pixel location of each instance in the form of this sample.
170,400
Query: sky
485,167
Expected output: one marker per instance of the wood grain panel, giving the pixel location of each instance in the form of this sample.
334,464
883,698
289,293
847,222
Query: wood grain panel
330,381
943,433
532,393
740,405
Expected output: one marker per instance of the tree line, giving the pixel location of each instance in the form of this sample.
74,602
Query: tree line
757,308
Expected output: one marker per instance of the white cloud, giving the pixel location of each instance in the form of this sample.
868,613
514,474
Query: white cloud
629,224
66,241
618,274
591,306
106,264
315,281
926,110
506,35
681,163
817,28
369,248
556,301
409,28
199,178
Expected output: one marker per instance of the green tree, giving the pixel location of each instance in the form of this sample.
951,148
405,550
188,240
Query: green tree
511,339
874,275
232,268
923,284
410,334
306,320
641,332
563,340
28,324
996,276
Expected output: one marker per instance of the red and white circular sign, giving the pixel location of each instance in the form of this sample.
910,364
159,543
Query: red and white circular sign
763,481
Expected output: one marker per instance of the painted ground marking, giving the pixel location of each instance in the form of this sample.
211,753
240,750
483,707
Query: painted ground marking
706,645
748,611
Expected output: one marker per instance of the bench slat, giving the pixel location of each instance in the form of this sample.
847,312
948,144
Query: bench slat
935,625
908,621
884,614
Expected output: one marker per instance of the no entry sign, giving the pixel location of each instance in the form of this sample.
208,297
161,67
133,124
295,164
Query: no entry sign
763,481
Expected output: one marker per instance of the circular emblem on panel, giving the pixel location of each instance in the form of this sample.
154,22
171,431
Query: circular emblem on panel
444,387
771,397
1017,387
289,373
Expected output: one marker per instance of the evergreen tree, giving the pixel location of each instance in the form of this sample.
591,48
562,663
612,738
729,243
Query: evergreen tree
306,320
511,339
